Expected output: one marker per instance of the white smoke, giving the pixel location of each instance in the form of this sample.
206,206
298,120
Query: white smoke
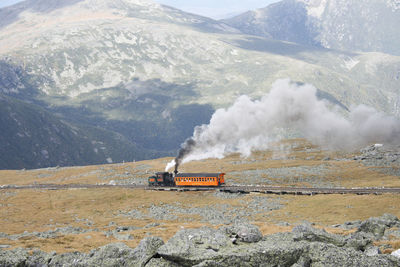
250,125
170,165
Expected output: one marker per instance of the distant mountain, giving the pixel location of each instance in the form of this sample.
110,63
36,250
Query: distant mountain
352,25
149,73
32,137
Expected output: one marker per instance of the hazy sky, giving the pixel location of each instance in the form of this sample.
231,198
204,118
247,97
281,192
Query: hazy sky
210,8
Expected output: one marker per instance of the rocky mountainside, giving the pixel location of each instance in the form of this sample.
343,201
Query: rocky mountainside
369,25
55,141
150,73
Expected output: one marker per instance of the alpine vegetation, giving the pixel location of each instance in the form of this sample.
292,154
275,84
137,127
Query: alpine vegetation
250,125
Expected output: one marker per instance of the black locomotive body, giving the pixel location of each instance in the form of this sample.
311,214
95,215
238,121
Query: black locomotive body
162,179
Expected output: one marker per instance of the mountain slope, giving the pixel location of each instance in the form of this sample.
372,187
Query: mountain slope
151,73
352,25
31,137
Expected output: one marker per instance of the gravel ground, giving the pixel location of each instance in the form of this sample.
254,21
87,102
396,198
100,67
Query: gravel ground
384,156
314,175
213,214
48,234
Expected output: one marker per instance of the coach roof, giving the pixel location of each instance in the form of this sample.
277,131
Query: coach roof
199,174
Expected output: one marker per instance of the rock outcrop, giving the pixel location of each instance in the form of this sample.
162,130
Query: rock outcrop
236,245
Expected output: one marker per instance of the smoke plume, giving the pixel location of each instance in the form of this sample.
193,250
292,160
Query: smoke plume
250,125
186,148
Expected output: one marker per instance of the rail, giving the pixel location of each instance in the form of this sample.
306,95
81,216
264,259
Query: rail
280,190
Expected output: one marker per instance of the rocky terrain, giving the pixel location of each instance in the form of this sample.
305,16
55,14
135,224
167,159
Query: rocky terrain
84,224
384,159
337,24
135,227
237,244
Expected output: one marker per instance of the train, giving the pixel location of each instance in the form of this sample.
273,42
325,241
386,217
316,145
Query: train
186,179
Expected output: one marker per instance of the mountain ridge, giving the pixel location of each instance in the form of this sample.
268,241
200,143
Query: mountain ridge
370,26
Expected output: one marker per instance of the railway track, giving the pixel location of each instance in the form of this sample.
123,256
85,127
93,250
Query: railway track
229,189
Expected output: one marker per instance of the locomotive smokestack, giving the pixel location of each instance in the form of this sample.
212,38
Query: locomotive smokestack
186,148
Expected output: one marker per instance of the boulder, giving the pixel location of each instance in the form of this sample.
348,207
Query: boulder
75,259
123,237
396,253
210,247
39,258
392,232
243,232
160,262
115,254
378,225
15,257
263,253
192,246
308,233
146,250
372,251
359,240
322,255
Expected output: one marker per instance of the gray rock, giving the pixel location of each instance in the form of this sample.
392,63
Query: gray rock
396,253
115,254
372,251
126,228
39,258
305,246
75,259
323,255
15,257
192,246
3,235
243,232
359,240
378,225
210,247
49,234
263,253
307,233
160,262
392,232
349,225
119,254
146,250
123,237
151,225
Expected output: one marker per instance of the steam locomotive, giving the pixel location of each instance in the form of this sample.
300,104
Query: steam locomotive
187,179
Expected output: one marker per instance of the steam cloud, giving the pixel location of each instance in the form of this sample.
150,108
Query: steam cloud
250,125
